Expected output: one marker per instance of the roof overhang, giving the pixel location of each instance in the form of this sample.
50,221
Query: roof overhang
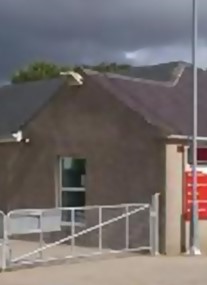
186,138
14,137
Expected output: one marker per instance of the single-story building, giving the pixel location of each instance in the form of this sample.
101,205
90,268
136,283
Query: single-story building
90,138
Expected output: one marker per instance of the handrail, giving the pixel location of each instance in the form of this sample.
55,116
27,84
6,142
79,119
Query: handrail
80,208
143,207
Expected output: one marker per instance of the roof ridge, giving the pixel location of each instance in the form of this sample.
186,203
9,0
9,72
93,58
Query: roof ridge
177,74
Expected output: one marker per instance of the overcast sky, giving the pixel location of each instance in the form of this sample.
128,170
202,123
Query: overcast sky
89,31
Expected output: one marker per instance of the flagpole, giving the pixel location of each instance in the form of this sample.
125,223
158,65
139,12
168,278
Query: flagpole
194,235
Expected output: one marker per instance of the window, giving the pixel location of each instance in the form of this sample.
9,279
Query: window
201,155
72,186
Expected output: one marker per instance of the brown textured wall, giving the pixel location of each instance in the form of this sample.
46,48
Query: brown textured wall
125,158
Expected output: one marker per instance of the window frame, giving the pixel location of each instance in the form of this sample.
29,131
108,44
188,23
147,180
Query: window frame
68,189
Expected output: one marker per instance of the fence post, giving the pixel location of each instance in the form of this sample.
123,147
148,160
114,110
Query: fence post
157,232
4,245
127,227
100,245
154,225
151,229
72,229
7,246
41,238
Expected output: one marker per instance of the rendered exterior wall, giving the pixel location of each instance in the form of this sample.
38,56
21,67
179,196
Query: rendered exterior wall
173,198
125,157
176,228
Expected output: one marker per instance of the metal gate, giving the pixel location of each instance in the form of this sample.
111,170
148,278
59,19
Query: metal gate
36,236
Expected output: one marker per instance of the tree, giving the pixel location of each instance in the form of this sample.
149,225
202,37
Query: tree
45,70
108,67
37,71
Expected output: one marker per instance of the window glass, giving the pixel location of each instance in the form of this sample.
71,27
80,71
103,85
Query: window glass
73,172
72,187
73,198
201,155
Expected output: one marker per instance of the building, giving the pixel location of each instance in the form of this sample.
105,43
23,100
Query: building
91,138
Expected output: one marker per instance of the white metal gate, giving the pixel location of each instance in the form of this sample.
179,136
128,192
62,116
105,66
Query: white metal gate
49,235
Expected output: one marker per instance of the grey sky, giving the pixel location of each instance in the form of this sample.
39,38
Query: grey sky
90,31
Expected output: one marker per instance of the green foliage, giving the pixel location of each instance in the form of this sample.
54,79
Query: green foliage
38,70
108,67
45,70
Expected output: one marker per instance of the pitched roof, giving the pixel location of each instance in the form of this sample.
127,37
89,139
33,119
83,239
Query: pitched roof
20,102
167,105
163,72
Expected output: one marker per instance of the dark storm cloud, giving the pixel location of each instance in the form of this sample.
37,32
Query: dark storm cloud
74,31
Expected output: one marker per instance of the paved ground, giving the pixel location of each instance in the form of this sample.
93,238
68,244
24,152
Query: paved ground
20,248
139,270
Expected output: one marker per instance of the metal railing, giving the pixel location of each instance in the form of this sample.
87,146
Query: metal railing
3,239
65,233
154,225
